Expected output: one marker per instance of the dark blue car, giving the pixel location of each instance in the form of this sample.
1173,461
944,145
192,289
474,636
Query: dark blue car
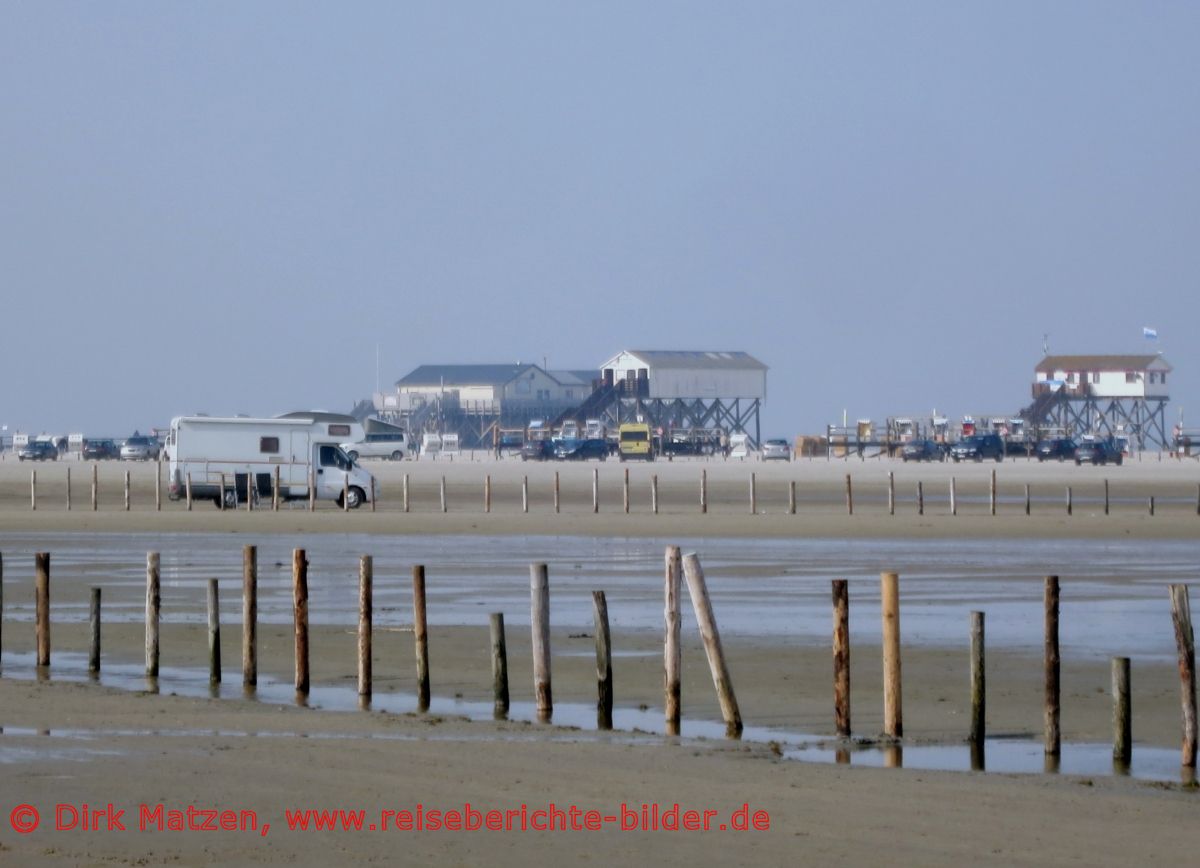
1099,452
581,450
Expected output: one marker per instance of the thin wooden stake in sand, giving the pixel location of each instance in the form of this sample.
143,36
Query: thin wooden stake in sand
698,590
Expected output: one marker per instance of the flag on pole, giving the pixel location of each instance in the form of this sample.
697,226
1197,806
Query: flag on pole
1149,333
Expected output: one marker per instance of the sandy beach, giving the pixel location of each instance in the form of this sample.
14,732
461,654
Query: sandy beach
125,741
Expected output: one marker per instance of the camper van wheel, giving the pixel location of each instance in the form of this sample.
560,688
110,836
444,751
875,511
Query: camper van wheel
397,455
355,497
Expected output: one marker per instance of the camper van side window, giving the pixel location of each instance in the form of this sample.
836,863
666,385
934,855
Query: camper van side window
268,445
339,430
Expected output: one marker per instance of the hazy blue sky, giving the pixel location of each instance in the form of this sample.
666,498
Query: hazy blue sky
224,207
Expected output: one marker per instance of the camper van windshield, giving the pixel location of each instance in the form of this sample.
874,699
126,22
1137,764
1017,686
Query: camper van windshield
332,456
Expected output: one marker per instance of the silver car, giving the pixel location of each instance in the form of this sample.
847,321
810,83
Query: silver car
139,448
776,450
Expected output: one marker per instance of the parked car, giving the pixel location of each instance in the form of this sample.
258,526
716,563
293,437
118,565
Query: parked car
139,448
94,450
382,445
581,450
536,450
1060,448
1099,452
978,447
38,450
776,450
923,450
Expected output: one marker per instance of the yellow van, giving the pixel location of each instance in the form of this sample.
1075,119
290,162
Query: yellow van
635,442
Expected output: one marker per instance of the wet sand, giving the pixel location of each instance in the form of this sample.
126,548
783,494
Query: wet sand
135,747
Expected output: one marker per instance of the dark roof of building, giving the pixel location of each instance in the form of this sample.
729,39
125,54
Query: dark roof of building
1050,364
575,378
453,376
722,359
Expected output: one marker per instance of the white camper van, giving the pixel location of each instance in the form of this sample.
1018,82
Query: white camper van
247,452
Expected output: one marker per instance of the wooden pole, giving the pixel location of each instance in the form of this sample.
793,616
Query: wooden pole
753,495
1106,497
95,487
849,496
1181,615
1070,501
953,497
127,491
300,617
557,495
1198,500
94,625
312,489
157,485
992,493
920,499
405,492
978,681
1027,499
68,489
893,716
499,665
366,571
1053,736
524,494
420,637
214,633
487,493
33,490
187,491
442,490
841,657
1150,504
672,668
1122,719
250,615
654,493
595,490
275,490
221,499
539,594
346,492
373,492
153,606
891,493
698,590
604,678
792,497
41,589
251,489
703,491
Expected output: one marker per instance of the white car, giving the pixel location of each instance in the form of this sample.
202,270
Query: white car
776,450
139,448
390,445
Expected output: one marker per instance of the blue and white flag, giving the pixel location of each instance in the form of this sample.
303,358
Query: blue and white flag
1149,333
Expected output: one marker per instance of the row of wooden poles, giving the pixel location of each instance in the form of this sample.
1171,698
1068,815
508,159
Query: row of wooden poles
626,495
676,567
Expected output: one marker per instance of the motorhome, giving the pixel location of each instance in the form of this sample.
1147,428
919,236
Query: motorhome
228,460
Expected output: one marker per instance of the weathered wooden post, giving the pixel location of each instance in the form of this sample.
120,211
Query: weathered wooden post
753,495
275,490
1122,719
312,490
792,497
539,594
849,496
920,499
373,498
252,489
557,494
1181,615
1053,736
249,615
127,491
420,637
499,666
604,678
893,716
153,606
953,497
1106,497
978,681
625,492
703,491
188,491
524,494
95,487
300,617
214,633
405,492
41,591
94,629
157,485
68,489
33,490
1070,501
345,491
992,493
1027,499
487,493
595,490
841,657
366,572
221,499
702,605
1150,504
891,493
672,667
654,493
442,489
1,600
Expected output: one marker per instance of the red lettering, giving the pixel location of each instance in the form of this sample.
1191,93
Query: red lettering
762,821
691,821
